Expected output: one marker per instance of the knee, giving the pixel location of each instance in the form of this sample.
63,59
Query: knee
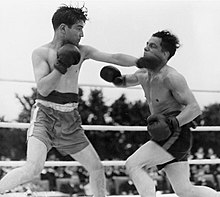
130,166
32,169
97,166
185,191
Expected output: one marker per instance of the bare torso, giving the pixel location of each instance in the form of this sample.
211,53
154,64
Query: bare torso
69,81
157,91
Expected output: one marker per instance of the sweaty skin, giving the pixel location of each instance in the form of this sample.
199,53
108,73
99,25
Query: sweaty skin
49,79
67,82
157,92
166,91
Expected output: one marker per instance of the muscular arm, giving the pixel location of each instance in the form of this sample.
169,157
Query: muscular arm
118,58
181,92
46,81
132,79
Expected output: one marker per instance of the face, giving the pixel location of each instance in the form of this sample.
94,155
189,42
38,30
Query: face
153,53
153,46
75,33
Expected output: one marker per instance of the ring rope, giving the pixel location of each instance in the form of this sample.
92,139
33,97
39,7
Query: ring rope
105,163
105,127
99,85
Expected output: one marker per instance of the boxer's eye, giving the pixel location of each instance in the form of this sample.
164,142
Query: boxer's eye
152,45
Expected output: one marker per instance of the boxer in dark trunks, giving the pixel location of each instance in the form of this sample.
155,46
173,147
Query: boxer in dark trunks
173,107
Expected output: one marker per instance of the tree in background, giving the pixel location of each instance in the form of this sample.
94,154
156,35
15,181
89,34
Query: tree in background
109,144
96,116
13,141
83,108
27,102
210,117
3,140
120,111
131,114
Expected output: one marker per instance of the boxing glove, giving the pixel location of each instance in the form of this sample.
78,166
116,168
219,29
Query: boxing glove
158,127
173,123
113,75
141,62
150,61
67,56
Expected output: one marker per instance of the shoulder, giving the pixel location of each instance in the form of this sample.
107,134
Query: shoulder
41,52
86,50
84,47
172,77
141,73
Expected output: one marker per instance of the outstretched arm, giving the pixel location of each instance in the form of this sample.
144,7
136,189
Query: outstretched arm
117,58
113,75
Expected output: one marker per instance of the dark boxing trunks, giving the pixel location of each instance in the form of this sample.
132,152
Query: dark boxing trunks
58,97
178,144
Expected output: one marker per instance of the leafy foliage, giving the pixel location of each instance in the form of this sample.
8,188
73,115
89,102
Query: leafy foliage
109,144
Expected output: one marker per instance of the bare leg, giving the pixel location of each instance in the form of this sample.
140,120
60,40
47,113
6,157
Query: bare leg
178,174
91,161
36,156
150,154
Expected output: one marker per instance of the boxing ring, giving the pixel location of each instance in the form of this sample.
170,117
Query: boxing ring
103,128
105,163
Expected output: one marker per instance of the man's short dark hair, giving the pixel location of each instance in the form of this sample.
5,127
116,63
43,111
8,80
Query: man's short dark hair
170,42
69,15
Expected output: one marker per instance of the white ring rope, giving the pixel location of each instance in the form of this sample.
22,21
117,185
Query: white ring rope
105,163
104,127
99,85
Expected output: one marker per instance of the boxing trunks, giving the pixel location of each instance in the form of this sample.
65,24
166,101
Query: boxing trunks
56,122
178,144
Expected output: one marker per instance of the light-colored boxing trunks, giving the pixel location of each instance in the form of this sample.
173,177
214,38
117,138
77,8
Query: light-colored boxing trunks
59,126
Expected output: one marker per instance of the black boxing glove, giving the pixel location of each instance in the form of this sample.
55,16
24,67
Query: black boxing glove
173,123
158,127
150,61
67,56
141,62
113,75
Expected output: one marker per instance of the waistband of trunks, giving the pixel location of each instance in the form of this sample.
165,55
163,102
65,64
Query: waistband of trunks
59,107
191,124
59,97
172,113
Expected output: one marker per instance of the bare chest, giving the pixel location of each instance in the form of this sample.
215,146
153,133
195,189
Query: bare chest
156,91
68,81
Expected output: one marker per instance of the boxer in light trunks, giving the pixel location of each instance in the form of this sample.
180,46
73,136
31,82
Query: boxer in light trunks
173,107
55,120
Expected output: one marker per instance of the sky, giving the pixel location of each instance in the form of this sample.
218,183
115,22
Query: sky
116,26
